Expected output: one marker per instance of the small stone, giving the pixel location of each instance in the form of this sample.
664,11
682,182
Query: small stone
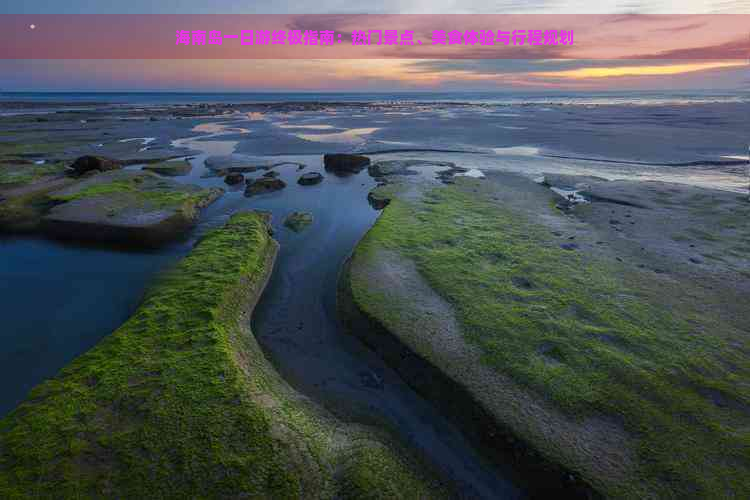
234,178
86,164
298,221
263,185
310,179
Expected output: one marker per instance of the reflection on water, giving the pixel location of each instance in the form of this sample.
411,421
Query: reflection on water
351,136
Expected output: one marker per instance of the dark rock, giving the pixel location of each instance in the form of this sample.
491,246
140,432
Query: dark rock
345,163
234,178
310,178
88,163
695,260
263,185
298,221
569,246
271,173
378,202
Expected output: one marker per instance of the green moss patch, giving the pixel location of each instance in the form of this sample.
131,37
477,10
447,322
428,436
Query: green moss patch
170,168
15,175
587,333
139,188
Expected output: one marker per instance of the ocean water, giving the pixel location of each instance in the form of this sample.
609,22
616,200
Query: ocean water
497,98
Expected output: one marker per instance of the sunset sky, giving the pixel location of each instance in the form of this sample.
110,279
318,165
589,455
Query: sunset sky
374,74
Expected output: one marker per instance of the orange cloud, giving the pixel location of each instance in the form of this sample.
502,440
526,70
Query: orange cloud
616,71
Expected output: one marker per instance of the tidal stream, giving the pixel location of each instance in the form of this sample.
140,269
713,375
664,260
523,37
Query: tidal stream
295,321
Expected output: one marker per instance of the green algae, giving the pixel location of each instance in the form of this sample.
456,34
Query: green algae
179,402
143,189
14,175
586,333
170,168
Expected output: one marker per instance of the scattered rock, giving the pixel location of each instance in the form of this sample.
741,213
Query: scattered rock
377,201
263,185
310,178
298,221
88,163
234,178
345,163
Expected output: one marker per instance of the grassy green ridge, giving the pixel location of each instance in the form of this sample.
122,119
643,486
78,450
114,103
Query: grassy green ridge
179,402
586,333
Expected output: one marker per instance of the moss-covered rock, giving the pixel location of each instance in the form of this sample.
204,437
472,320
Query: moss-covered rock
629,380
170,168
24,189
298,221
179,402
263,185
137,208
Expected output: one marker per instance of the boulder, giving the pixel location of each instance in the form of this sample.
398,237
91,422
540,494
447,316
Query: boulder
234,178
130,207
310,178
89,163
341,163
263,185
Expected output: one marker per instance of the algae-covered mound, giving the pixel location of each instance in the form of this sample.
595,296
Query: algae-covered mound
126,206
561,340
175,168
179,402
14,175
23,193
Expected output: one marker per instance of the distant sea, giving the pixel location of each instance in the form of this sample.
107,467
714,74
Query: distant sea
497,98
